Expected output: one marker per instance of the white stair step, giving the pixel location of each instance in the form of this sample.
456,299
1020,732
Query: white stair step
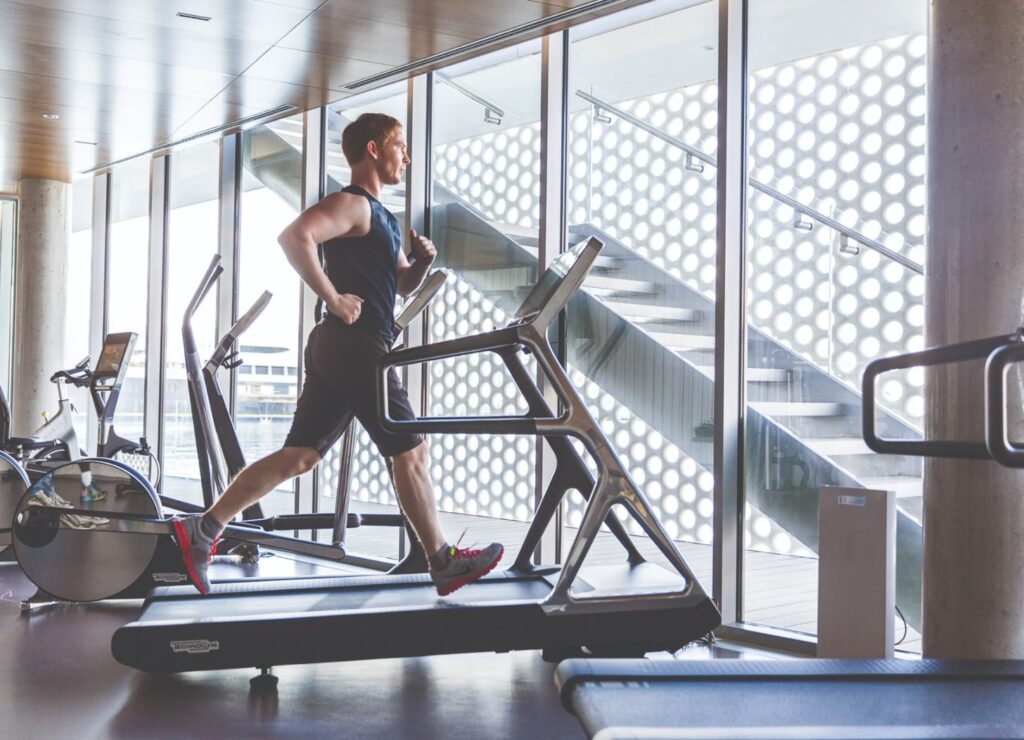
754,374
838,446
682,342
905,486
648,312
605,285
528,241
799,408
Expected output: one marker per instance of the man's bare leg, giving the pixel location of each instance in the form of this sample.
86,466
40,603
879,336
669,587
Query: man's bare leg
262,476
450,567
196,534
416,497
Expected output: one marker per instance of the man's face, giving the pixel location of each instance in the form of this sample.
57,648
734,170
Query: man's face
393,159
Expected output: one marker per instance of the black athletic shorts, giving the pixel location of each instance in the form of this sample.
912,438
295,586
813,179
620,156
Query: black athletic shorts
340,382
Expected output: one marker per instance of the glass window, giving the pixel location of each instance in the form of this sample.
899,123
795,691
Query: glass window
271,199
192,241
836,121
8,234
485,220
128,282
642,178
79,297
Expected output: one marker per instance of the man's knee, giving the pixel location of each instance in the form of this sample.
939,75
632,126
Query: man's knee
417,456
296,461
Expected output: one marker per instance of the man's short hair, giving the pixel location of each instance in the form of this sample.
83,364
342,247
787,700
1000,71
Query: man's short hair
368,127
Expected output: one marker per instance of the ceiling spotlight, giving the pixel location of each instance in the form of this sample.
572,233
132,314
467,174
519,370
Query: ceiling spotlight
51,116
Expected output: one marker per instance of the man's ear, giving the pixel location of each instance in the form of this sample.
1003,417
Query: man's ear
371,149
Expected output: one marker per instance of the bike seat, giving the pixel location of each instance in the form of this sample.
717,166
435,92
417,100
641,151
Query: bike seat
31,443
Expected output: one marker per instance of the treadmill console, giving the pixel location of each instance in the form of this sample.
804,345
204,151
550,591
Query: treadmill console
547,288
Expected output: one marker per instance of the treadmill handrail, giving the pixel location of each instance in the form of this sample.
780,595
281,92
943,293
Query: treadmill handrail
423,297
494,341
997,439
952,354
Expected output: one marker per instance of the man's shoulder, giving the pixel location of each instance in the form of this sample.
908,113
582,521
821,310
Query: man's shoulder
345,199
341,203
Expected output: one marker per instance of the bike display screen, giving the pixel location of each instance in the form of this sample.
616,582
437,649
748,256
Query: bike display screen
112,357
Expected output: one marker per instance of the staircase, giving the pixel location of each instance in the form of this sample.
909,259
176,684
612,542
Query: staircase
647,339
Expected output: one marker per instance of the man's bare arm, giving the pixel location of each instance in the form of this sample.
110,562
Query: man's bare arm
411,275
337,215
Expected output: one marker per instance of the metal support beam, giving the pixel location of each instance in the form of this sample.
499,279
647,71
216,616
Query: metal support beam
229,190
98,282
730,309
554,126
314,152
156,302
417,212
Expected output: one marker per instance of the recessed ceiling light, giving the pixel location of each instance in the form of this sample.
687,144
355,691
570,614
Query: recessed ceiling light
193,16
51,116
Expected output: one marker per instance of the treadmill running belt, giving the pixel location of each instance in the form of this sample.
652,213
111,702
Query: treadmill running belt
416,593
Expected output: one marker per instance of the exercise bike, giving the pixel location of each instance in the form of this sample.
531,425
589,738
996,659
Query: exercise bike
56,442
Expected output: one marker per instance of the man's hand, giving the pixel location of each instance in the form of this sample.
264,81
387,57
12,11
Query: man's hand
346,307
422,248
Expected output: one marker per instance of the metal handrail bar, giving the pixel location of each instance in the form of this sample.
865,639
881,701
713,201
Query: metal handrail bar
488,106
757,185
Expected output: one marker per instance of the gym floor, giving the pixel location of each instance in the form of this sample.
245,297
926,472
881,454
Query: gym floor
61,681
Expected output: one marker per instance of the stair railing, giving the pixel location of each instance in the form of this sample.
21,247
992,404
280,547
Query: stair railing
695,159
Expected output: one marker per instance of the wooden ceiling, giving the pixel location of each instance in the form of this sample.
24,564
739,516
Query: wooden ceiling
125,76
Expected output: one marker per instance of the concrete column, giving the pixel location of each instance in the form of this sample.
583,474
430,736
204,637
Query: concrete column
973,601
40,292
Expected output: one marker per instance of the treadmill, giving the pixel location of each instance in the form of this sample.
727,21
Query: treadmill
808,698
627,608
794,698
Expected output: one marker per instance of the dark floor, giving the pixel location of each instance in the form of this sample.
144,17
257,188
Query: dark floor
61,681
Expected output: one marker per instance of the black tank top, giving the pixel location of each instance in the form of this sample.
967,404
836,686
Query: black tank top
366,266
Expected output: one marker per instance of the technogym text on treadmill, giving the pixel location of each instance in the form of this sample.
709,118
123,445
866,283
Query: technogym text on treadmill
622,609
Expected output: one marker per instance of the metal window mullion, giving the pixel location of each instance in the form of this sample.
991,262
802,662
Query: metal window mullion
314,142
229,190
730,310
98,282
554,126
418,193
156,303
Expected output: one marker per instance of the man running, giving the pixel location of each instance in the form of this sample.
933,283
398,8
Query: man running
364,270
